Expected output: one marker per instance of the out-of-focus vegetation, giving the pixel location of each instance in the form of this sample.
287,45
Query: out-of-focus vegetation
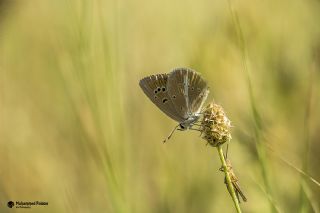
77,131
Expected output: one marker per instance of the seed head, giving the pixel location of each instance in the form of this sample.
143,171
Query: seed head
215,125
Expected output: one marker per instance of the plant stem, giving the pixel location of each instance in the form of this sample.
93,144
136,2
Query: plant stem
229,183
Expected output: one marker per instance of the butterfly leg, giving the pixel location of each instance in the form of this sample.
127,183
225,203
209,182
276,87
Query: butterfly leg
195,129
196,124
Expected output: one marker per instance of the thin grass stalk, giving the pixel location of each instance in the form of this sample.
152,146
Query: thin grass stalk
261,151
303,197
111,47
228,179
82,63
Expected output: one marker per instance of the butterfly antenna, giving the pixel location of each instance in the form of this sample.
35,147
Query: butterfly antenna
171,133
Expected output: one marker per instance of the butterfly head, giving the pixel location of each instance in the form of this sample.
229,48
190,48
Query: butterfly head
188,123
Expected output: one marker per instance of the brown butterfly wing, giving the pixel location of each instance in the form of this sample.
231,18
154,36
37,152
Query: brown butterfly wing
155,87
188,91
177,89
198,91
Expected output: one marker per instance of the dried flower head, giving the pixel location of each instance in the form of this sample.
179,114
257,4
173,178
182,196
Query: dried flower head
215,126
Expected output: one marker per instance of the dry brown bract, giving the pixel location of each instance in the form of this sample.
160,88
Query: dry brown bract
234,181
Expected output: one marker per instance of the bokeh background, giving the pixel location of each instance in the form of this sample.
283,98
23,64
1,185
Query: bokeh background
77,131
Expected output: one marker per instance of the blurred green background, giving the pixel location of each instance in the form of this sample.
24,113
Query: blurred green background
77,131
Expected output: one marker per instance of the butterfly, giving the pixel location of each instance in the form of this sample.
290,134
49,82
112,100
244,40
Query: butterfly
180,94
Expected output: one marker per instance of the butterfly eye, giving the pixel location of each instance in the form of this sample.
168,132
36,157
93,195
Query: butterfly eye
156,91
164,100
192,88
159,89
173,96
155,97
181,126
163,89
